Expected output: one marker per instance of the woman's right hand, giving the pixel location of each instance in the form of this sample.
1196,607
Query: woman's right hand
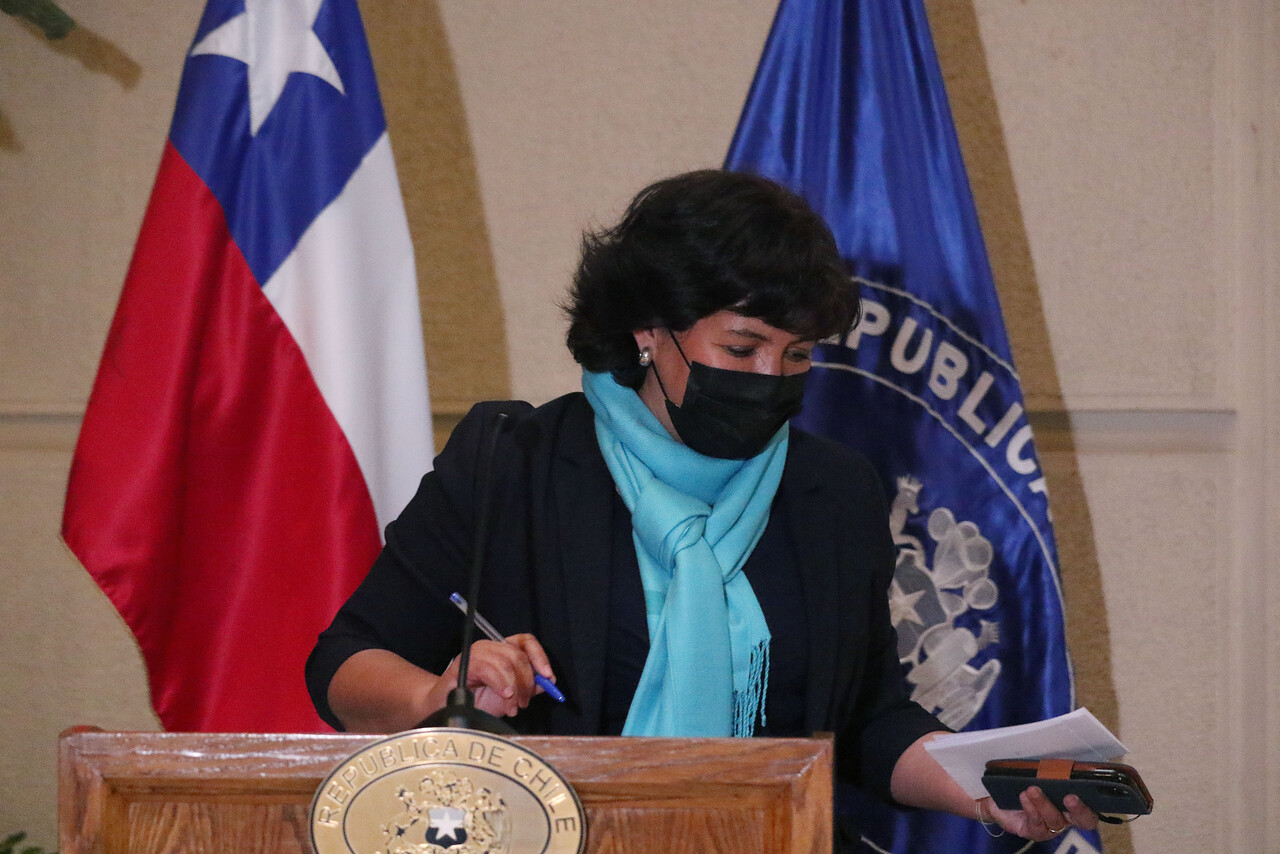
377,691
500,674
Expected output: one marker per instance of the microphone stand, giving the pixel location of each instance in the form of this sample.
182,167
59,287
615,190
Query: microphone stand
460,711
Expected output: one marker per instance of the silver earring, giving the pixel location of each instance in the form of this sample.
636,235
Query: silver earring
645,357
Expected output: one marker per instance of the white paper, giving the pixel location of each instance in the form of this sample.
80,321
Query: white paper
1076,735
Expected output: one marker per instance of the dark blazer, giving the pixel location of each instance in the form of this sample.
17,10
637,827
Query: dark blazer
547,572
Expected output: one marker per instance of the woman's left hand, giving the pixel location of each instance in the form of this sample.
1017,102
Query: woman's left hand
1039,819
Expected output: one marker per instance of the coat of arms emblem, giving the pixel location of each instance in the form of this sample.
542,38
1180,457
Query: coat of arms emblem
925,600
447,814
446,791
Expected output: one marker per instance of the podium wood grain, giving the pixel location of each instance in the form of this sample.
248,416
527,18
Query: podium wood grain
163,793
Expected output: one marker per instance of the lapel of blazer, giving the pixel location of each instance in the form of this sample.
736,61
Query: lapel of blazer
583,490
812,523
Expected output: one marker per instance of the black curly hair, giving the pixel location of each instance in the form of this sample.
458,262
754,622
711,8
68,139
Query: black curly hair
699,243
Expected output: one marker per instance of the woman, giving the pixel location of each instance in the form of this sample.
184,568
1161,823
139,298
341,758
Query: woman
664,545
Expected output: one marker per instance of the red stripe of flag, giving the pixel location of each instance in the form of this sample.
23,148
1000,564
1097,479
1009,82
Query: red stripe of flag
213,496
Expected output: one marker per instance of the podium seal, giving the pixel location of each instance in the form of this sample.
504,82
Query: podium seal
446,791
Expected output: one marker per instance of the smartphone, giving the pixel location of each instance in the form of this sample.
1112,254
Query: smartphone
1114,791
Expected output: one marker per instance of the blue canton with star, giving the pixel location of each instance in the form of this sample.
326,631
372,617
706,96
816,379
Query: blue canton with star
273,166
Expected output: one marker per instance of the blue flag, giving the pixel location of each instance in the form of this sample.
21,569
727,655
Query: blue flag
848,109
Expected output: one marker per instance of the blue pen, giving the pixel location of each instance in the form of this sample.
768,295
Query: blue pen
494,635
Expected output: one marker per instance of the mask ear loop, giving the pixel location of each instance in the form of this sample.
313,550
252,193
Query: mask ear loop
654,365
680,349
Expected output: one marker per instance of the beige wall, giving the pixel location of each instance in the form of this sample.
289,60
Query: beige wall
1125,158
81,129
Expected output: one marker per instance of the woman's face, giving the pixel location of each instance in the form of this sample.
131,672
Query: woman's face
722,340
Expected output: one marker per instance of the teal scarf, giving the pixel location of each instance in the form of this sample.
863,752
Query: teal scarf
695,521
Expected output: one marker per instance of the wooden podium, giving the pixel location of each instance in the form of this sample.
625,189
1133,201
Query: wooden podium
148,793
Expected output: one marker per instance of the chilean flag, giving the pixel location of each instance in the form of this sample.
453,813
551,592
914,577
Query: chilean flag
260,412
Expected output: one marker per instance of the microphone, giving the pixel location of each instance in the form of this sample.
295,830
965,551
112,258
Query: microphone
460,710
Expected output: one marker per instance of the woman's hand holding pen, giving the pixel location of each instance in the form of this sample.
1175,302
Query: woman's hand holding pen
377,691
501,674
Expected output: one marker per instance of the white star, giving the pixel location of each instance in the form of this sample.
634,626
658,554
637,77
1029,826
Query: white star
274,39
446,822
902,606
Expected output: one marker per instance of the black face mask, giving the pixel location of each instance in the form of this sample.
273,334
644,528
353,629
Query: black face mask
733,414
